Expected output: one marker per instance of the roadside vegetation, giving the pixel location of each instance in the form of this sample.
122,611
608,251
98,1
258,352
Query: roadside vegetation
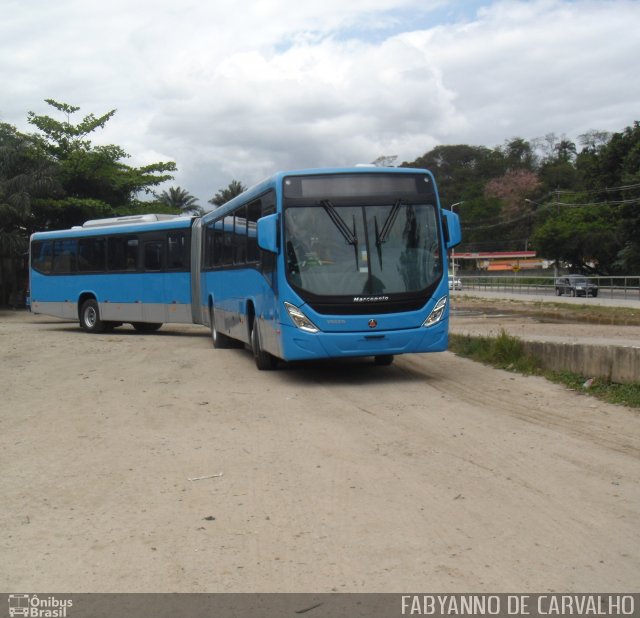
508,352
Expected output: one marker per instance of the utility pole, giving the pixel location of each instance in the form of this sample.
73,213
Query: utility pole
453,251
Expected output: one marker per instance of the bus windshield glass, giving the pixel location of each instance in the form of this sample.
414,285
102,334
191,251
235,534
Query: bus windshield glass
349,249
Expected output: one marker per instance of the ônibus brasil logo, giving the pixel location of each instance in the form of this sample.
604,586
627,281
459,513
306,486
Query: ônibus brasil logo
33,605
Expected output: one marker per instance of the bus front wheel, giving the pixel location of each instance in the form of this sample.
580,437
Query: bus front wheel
264,360
90,317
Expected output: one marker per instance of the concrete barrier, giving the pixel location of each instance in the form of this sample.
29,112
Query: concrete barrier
620,364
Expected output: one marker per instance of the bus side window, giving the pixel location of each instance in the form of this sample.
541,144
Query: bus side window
65,252
254,211
268,203
153,255
208,260
41,253
122,253
268,259
240,235
217,236
177,251
91,254
227,242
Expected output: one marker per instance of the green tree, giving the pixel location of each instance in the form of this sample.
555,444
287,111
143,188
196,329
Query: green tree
482,225
611,172
62,138
26,174
180,200
625,148
94,180
581,236
234,189
519,154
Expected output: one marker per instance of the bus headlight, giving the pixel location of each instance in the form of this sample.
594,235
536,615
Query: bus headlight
436,313
300,319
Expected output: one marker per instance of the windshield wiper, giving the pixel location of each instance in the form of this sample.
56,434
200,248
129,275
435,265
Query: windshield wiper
343,228
383,235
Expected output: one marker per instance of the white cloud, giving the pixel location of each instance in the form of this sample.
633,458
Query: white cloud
238,91
532,68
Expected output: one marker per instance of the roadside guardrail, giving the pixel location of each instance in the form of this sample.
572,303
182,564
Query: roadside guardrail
608,287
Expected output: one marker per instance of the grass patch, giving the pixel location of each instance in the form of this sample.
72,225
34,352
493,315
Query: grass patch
503,351
508,352
622,394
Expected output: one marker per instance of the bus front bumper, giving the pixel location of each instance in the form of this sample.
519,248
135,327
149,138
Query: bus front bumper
298,345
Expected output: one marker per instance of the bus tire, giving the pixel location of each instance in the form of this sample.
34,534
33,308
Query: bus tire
383,360
220,341
90,317
146,327
264,360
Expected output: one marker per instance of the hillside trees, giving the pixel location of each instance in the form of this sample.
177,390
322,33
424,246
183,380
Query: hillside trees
578,206
513,190
596,226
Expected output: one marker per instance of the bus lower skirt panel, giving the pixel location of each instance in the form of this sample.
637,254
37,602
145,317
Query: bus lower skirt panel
146,312
120,312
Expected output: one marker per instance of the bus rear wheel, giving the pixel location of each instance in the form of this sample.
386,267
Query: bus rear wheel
220,341
383,360
90,317
264,360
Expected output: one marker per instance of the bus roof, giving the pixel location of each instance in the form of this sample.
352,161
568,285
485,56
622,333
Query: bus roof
129,219
113,225
275,180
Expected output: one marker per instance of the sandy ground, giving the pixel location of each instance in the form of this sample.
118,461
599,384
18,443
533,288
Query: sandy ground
433,474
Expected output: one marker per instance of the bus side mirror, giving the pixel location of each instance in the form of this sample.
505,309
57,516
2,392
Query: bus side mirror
452,231
267,231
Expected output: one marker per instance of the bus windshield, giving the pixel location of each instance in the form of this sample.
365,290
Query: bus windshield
352,250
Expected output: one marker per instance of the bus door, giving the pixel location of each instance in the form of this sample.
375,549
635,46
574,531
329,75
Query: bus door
269,310
120,298
177,280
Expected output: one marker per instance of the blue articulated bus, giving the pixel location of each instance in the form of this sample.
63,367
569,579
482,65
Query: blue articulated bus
308,264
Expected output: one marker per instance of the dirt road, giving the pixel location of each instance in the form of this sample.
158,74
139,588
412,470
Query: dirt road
433,474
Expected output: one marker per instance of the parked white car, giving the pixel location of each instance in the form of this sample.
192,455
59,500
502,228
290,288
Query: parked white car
455,283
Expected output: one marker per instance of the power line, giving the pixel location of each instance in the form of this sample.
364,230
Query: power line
549,206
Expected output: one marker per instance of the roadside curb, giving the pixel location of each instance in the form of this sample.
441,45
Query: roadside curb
619,364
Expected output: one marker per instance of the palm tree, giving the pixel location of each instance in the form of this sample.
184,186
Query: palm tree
180,199
224,195
26,174
565,150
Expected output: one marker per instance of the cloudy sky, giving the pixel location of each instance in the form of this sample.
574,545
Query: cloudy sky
237,90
